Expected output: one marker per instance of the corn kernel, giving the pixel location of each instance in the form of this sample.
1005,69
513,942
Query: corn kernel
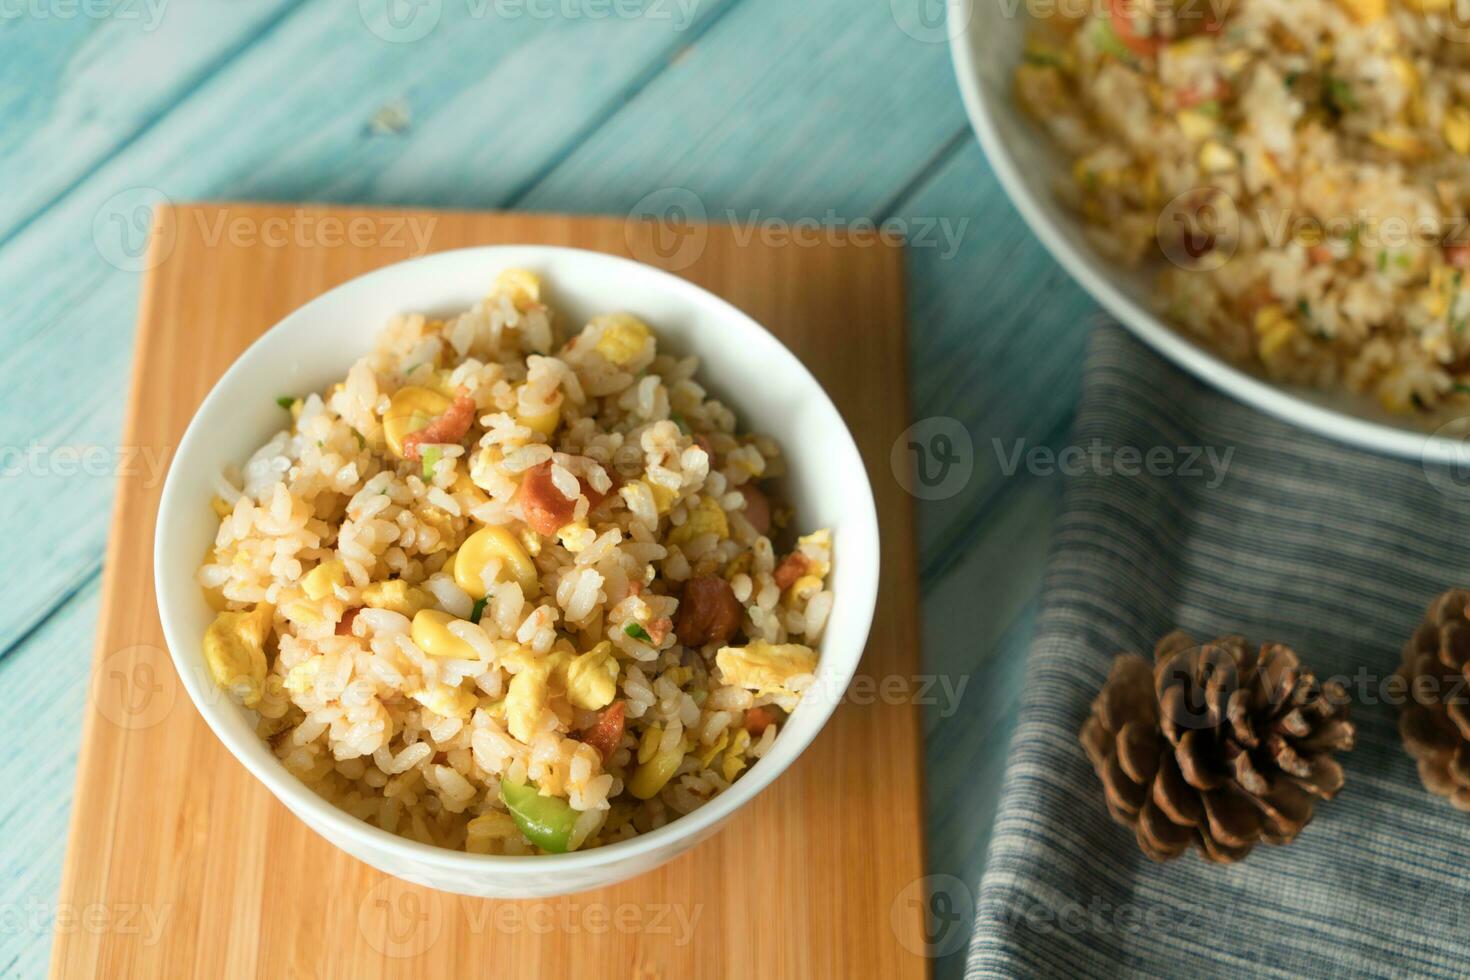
1365,11
1457,130
485,545
220,508
1402,144
1196,126
430,633
1216,158
411,409
653,775
324,579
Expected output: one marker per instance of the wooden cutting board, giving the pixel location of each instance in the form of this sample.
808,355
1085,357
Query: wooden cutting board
199,872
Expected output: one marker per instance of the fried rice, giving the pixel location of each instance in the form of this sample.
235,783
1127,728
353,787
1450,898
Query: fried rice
1298,170
509,594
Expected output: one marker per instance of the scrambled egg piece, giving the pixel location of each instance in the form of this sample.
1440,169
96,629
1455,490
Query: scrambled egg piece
821,540
624,340
398,596
706,517
302,677
234,652
529,694
521,285
450,702
765,667
592,678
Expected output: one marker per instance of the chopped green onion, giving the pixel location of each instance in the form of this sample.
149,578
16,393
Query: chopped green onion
1338,97
1042,59
680,421
1210,108
478,611
1107,41
286,401
432,455
361,442
1382,260
637,632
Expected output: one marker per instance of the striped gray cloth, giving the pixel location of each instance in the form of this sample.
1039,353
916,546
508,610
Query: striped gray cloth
1332,551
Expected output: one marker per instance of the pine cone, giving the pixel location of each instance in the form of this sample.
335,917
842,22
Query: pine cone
1215,746
1435,720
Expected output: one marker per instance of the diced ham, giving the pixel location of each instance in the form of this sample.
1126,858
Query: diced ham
546,510
758,719
1457,256
344,625
607,732
447,428
708,612
792,567
757,508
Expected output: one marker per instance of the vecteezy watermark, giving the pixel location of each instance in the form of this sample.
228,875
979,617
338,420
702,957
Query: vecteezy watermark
125,234
406,21
1446,459
933,21
128,237
404,918
148,14
125,462
31,916
309,228
667,228
1199,230
401,917
1097,916
932,916
135,688
933,459
1100,459
1450,19
941,691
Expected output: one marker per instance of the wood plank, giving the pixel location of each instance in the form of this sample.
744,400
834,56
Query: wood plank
784,110
840,832
62,108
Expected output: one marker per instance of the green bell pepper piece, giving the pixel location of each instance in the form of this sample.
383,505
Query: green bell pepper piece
545,820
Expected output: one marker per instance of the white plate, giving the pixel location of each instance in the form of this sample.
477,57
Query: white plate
986,40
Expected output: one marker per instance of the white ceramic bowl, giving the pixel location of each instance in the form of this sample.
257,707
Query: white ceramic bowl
742,364
986,40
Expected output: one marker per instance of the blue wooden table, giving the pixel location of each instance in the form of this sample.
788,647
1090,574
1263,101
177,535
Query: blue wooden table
767,111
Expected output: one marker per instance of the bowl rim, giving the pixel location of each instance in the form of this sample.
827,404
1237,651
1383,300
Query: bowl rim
326,819
1274,400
